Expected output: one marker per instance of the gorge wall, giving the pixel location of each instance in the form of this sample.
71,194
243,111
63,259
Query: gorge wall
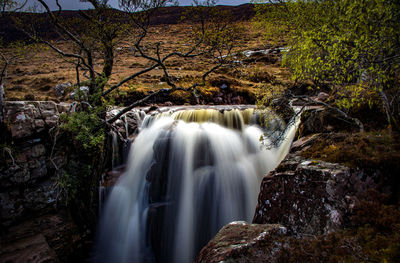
34,226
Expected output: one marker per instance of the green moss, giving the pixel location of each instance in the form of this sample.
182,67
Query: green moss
367,150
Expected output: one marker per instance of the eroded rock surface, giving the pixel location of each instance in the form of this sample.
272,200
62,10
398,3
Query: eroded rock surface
308,196
25,118
32,228
48,238
243,242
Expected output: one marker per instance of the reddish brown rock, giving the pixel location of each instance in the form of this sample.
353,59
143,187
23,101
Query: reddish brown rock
25,118
48,238
243,242
308,197
31,249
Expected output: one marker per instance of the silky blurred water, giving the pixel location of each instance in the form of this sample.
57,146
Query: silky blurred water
189,173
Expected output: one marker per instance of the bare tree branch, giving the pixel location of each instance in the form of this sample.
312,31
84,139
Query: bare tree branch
128,79
310,100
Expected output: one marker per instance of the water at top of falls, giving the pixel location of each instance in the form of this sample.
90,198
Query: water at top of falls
184,181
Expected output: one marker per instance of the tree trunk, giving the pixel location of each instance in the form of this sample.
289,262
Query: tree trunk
108,60
2,98
3,79
92,85
386,107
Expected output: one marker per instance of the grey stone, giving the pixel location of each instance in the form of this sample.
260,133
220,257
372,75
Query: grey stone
38,150
243,242
59,90
308,196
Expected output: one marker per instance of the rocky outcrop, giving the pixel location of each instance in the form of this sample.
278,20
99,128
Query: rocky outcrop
308,196
302,206
268,56
30,162
243,242
48,238
27,119
32,228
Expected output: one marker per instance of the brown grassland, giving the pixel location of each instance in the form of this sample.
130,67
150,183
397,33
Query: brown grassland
35,76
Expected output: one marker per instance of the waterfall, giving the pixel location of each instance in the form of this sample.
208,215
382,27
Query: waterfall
189,173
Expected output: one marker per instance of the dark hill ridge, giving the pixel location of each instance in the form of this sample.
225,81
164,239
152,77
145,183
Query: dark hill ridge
166,15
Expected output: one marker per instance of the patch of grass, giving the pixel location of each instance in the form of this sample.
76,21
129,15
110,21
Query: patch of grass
180,96
371,149
259,74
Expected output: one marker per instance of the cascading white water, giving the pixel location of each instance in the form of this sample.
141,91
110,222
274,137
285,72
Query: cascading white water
184,181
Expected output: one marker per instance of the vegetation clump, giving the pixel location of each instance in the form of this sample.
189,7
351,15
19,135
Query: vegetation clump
352,45
83,127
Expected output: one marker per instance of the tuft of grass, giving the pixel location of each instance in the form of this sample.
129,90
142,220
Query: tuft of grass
373,150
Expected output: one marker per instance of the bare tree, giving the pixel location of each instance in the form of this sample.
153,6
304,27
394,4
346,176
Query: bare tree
95,32
8,56
11,6
7,6
213,39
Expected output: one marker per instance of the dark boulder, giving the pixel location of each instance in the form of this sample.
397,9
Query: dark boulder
243,242
308,196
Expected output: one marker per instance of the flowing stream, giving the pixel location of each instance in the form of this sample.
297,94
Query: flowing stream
189,173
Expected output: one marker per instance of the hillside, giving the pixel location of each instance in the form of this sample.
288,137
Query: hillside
163,16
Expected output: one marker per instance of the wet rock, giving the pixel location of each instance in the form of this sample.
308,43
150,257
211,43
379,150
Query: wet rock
282,107
128,124
304,143
243,242
308,197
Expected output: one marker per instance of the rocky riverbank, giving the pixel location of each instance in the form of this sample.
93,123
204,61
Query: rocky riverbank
35,224
307,208
329,212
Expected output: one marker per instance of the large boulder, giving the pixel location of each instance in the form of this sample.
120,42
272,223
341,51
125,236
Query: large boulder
308,196
243,242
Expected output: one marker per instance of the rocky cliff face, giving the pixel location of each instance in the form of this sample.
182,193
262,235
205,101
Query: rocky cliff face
34,228
301,205
312,200
309,197
31,163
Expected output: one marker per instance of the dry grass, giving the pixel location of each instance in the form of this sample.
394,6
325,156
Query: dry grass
38,74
